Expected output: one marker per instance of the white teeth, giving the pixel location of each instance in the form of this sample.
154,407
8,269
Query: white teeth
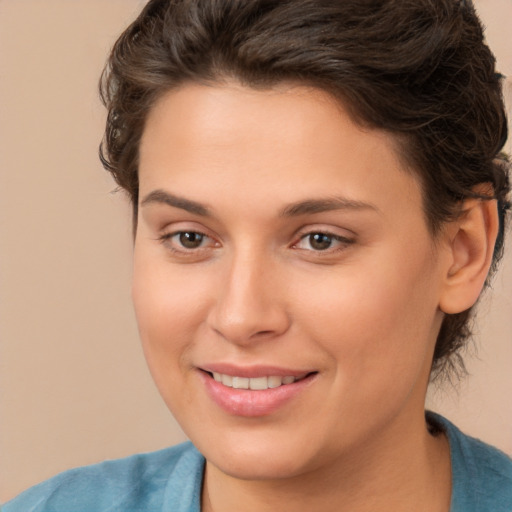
274,382
227,380
258,383
240,382
255,383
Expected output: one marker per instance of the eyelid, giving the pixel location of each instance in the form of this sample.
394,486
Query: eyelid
342,240
183,226
211,241
171,234
168,232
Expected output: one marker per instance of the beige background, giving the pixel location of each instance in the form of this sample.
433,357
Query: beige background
74,388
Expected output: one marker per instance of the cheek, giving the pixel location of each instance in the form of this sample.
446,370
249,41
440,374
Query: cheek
169,310
375,321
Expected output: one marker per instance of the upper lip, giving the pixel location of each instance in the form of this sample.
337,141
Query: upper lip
253,371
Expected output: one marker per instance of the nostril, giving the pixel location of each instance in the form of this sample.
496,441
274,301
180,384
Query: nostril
263,333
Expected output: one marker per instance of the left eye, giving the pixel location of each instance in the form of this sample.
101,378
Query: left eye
320,241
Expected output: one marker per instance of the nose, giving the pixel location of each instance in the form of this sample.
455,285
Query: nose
249,304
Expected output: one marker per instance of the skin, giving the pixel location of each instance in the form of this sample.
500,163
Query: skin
363,313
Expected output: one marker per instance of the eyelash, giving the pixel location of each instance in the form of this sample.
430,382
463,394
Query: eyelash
166,239
341,241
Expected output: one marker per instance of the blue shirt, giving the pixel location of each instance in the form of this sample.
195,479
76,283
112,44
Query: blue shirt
170,480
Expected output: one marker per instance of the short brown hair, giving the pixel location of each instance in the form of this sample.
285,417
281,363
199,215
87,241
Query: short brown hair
418,69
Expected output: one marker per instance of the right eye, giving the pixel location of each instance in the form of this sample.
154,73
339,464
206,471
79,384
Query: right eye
190,239
186,241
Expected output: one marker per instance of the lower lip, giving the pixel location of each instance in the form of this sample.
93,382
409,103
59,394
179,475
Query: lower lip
249,403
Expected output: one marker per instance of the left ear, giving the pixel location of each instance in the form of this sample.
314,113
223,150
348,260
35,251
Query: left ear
471,240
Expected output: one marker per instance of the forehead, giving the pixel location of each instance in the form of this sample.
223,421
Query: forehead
294,140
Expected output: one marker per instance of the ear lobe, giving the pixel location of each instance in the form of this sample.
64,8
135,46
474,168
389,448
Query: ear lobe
471,245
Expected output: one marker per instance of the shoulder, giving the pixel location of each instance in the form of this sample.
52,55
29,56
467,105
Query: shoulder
132,484
482,474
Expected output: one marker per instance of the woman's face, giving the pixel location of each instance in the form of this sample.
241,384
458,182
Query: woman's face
278,241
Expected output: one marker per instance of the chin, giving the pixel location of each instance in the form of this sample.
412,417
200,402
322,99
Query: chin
256,457
263,466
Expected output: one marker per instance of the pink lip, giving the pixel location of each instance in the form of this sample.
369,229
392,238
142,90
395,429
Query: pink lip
249,403
253,371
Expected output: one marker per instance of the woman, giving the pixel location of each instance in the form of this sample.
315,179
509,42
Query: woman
318,198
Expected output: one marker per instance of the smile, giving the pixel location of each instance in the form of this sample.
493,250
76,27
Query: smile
254,383
257,392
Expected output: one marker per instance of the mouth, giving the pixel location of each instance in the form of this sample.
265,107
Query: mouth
258,392
256,383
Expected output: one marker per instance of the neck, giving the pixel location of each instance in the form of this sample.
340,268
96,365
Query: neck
400,473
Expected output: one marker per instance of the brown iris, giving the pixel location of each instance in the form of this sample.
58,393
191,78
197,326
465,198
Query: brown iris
320,241
191,240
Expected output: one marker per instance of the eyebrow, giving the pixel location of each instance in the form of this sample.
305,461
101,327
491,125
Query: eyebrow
310,206
307,206
162,197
